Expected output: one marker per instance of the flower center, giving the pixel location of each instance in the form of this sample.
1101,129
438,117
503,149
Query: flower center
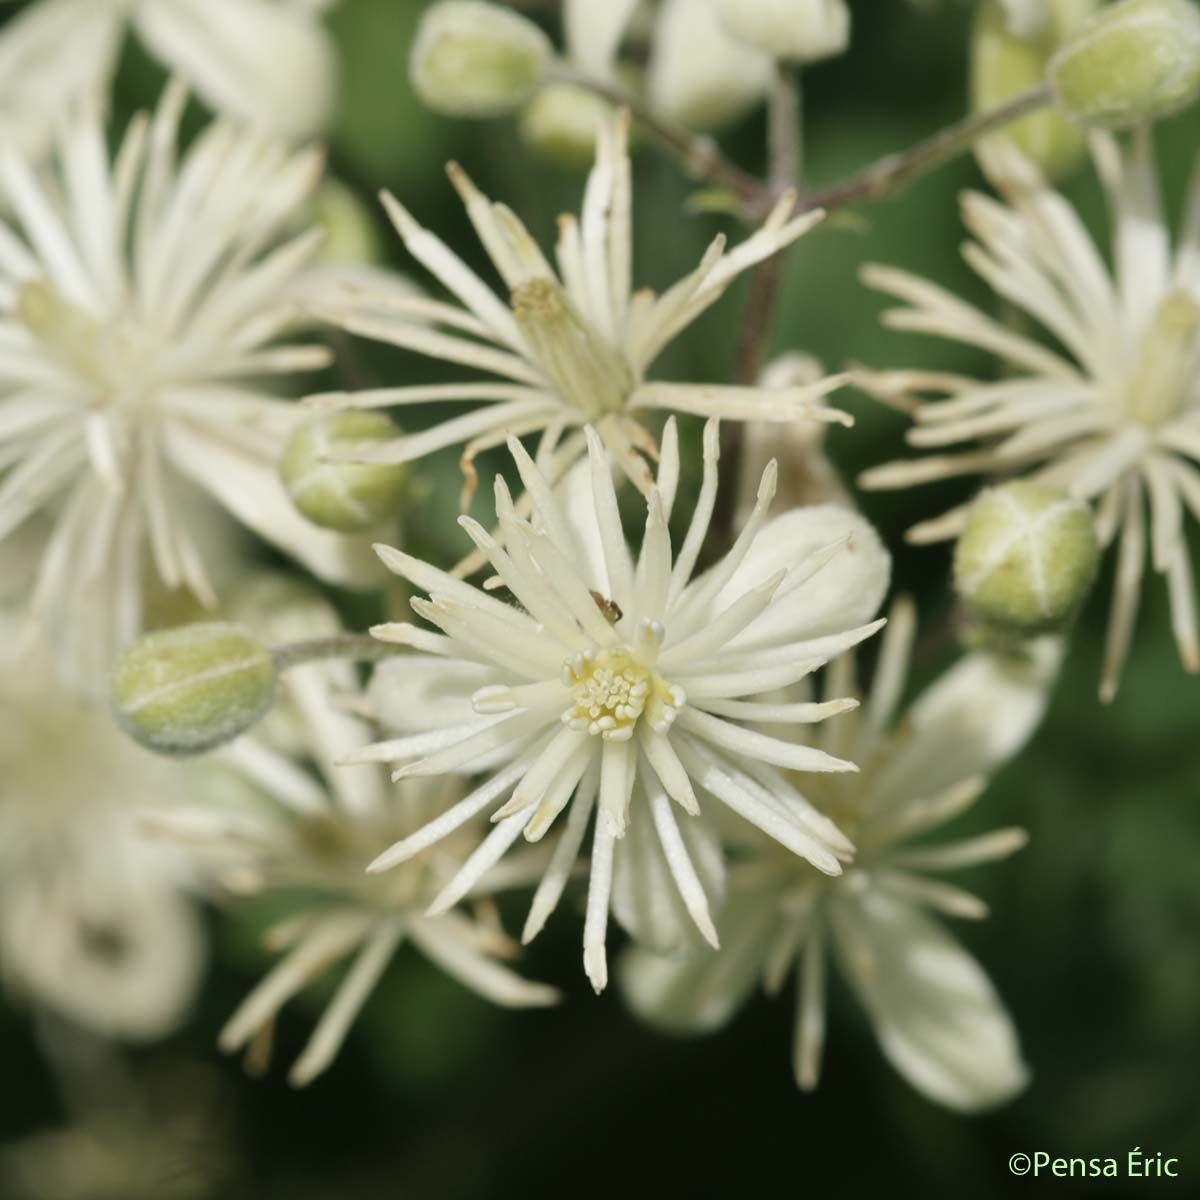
612,690
1165,375
587,371
108,357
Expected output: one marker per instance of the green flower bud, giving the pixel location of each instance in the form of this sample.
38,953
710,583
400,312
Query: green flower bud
1004,64
338,494
471,59
560,124
798,30
191,689
350,233
1027,558
1133,61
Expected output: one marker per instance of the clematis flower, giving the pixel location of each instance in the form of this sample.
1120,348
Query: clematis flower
1110,410
937,1016
272,816
144,307
57,54
573,347
626,687
97,924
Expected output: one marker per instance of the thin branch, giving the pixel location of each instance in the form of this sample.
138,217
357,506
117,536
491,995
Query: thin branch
700,155
356,647
895,171
704,162
783,140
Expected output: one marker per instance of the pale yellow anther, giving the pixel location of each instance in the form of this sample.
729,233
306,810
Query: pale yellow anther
612,690
587,371
1167,365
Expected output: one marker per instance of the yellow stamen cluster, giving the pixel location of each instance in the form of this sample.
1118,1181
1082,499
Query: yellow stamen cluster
612,691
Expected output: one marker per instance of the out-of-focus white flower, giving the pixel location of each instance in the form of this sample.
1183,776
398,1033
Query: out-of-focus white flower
143,307
94,923
936,1014
573,348
620,687
273,826
1111,412
267,62
699,75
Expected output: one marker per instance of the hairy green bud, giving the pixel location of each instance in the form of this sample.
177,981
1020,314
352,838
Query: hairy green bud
332,491
560,124
1006,62
193,688
1027,558
1134,61
350,235
471,59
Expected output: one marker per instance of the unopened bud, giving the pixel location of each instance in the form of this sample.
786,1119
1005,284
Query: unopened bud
332,491
471,59
1008,57
1027,558
560,124
798,30
191,689
699,75
1134,61
350,233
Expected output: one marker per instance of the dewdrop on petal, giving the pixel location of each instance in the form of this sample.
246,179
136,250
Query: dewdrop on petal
1005,63
471,59
799,30
1027,558
1135,61
191,689
328,488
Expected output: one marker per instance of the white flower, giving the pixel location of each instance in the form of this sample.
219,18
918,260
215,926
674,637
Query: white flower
620,686
570,351
269,825
267,62
142,308
1111,411
94,923
936,1014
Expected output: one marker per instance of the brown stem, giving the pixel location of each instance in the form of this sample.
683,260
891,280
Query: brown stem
703,160
783,141
894,171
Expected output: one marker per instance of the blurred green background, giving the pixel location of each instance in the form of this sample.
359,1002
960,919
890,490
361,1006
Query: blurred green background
1095,935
